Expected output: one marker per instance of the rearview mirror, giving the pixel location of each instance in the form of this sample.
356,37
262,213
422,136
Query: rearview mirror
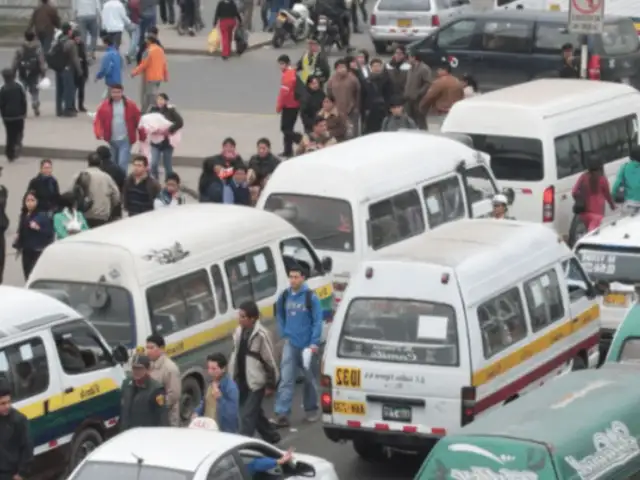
120,354
510,194
304,470
327,264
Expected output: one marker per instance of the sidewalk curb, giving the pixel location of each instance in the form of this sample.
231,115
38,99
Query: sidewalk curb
13,43
81,155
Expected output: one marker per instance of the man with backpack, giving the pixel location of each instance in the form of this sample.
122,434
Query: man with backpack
30,68
288,104
96,192
63,58
299,319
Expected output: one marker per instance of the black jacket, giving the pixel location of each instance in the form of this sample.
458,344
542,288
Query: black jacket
210,162
226,9
16,447
84,61
47,192
170,113
322,70
310,108
263,167
115,172
568,71
4,220
144,405
13,101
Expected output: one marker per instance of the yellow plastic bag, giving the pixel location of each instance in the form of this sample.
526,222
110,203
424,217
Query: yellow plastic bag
213,40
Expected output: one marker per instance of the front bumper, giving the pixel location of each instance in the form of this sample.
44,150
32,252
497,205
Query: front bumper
399,440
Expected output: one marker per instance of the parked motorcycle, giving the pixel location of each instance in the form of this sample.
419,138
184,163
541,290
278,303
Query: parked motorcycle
328,34
294,23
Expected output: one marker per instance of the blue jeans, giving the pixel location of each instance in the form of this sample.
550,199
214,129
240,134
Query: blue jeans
121,153
276,5
134,40
146,22
166,155
65,91
89,27
290,365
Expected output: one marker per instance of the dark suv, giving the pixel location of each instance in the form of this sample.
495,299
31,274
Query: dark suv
505,47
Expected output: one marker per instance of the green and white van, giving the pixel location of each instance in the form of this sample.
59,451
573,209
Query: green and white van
625,345
583,426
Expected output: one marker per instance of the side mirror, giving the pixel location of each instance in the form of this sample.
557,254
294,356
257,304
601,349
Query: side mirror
510,194
601,288
327,264
120,354
304,470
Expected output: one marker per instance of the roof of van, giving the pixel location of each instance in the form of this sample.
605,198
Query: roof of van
201,223
556,413
620,232
370,165
21,307
547,96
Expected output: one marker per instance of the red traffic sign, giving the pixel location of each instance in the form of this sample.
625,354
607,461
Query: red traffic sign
587,7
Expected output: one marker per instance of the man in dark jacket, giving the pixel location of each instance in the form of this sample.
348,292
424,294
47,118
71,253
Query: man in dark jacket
13,109
263,164
140,189
236,189
67,72
44,21
81,78
4,225
29,66
569,67
144,401
398,70
46,188
379,96
16,447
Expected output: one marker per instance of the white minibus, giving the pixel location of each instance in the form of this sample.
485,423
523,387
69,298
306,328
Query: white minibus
542,135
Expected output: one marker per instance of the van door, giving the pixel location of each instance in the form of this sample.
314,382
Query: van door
480,190
444,201
30,367
90,379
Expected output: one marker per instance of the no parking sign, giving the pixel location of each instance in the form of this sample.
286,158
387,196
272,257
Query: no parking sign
586,16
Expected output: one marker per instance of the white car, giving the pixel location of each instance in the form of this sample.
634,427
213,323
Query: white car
190,454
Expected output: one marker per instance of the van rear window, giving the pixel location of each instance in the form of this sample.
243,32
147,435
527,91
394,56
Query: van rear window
619,38
400,331
404,5
512,158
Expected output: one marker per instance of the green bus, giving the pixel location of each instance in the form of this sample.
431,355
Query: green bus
625,345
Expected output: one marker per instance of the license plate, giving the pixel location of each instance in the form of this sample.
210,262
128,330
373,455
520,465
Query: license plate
349,408
616,300
322,28
348,377
404,23
394,413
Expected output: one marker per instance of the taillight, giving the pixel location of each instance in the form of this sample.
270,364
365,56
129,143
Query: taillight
339,287
468,404
435,21
326,395
373,20
593,67
548,204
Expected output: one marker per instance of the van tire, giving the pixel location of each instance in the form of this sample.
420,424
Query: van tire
579,363
190,399
369,452
83,444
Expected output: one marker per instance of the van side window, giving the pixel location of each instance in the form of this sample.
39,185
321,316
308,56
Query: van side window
395,219
79,348
444,201
457,35
181,303
544,300
480,185
568,155
25,368
502,322
508,37
512,158
550,37
252,276
297,251
218,286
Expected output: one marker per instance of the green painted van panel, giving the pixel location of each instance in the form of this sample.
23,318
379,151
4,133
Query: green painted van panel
629,328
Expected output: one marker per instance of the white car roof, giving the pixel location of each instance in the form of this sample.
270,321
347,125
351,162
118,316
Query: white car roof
623,232
176,448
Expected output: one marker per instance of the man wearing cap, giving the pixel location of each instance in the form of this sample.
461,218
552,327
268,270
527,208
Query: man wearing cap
144,401
569,68
500,207
166,372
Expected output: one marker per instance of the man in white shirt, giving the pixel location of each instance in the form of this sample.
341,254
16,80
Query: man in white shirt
86,15
115,20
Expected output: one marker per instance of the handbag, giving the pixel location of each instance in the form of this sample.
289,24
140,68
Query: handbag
213,40
580,199
241,37
619,195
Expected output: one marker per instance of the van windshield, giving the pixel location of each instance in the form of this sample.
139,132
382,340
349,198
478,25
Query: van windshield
610,264
400,331
512,158
404,5
619,38
326,222
106,307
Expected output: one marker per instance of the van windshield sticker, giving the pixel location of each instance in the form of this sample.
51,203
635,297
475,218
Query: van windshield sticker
432,327
484,473
614,447
398,353
580,394
26,353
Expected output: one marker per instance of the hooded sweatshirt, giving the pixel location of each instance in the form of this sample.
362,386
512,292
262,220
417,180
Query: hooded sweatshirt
295,322
629,179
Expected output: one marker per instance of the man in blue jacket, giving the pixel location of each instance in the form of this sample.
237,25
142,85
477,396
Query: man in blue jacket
223,394
111,65
299,316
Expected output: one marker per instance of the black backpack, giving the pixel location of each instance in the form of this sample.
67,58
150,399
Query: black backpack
29,66
56,58
282,301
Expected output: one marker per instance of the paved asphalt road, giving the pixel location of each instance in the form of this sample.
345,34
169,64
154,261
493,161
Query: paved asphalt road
305,438
248,84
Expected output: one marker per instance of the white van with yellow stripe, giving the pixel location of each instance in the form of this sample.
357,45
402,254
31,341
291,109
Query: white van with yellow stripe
449,325
62,375
180,272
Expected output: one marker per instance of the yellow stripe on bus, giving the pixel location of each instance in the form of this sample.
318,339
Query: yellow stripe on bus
536,347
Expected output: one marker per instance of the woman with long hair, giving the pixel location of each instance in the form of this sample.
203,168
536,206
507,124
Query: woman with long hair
69,220
591,194
35,233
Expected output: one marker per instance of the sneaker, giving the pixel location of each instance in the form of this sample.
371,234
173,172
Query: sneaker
280,421
312,417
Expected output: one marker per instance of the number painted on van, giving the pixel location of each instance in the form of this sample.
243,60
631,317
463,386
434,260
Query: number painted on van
348,377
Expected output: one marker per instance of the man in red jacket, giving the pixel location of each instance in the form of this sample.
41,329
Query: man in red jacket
116,122
288,105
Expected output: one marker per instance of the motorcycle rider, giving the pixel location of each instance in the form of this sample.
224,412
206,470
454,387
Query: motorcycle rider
338,12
